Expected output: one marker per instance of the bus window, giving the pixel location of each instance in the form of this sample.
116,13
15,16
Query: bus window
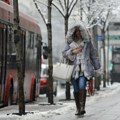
3,51
11,49
30,40
23,35
11,45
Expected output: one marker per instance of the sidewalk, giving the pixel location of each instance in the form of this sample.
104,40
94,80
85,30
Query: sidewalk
105,108
104,105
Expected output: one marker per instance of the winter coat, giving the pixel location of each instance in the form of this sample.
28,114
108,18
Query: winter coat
90,58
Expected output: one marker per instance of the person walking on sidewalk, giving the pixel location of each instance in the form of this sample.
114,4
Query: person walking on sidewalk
80,52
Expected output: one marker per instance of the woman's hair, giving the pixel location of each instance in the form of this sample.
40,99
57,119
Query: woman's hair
74,33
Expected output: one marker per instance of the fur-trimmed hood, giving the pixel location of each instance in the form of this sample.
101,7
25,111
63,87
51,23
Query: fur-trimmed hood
83,31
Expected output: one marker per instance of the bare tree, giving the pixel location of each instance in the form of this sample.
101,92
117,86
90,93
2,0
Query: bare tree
19,57
49,30
65,8
50,70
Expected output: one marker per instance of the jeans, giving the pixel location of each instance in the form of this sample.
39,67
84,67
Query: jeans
79,84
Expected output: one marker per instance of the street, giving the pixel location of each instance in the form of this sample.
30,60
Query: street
104,105
36,35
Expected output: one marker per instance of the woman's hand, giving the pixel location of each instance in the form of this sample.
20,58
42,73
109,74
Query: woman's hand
76,50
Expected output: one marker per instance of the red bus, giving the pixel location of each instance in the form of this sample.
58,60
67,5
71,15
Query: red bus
31,39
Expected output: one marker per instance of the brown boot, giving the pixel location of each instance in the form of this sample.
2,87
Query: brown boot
77,102
82,98
84,102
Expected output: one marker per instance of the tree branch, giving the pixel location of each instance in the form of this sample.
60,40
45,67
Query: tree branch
91,22
61,5
72,6
71,3
40,13
41,3
58,9
65,3
106,19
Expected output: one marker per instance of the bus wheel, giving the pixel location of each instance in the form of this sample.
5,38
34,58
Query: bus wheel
10,95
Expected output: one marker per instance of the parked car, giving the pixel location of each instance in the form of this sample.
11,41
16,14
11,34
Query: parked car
43,81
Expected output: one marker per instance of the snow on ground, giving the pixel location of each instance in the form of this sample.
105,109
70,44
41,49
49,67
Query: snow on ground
67,106
105,92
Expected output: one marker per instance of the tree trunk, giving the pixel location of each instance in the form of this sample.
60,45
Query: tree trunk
66,24
19,57
50,69
67,91
104,61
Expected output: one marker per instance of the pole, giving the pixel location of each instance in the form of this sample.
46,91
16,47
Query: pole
19,57
108,55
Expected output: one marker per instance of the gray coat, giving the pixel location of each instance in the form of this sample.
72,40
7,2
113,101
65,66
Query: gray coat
90,59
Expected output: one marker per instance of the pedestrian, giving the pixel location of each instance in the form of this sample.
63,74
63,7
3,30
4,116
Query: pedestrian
80,52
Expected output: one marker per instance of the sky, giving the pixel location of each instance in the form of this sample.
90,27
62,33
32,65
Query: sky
66,106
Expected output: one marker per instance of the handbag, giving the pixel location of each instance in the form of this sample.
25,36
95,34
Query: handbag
62,71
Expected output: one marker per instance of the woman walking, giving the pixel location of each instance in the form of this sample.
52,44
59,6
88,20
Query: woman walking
80,52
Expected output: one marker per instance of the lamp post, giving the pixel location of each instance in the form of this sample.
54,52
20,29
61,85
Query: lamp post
104,55
108,44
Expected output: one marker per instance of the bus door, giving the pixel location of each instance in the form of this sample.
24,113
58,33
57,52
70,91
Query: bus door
3,58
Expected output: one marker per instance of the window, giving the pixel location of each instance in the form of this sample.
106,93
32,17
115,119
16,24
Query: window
114,26
0,51
11,45
30,40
